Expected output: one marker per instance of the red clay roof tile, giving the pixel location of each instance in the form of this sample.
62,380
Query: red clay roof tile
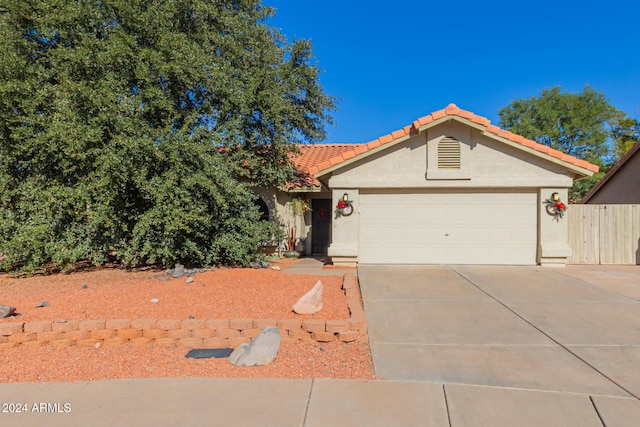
385,138
348,154
438,114
519,139
555,153
324,165
398,134
451,110
374,144
541,148
359,149
425,120
505,134
466,114
336,160
493,129
482,121
314,158
582,163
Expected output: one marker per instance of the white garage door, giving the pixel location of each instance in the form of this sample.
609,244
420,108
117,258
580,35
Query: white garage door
448,228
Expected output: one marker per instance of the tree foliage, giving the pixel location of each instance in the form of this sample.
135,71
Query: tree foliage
133,128
582,186
574,123
625,132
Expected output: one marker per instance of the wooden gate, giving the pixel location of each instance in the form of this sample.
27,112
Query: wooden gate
604,234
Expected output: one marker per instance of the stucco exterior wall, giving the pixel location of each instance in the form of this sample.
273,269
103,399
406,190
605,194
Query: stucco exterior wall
553,231
486,163
345,234
623,187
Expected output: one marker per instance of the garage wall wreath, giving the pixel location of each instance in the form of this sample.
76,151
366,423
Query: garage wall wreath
344,207
554,205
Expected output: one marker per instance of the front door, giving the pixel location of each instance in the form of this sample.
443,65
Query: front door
320,225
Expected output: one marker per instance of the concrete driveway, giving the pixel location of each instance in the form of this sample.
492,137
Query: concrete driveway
573,329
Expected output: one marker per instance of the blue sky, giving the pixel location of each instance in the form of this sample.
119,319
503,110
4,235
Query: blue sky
395,61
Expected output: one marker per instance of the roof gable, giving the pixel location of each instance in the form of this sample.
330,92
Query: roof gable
350,153
619,166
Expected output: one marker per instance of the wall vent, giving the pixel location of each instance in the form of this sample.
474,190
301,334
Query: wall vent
448,153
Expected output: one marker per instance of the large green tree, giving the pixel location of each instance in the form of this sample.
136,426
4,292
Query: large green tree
574,123
132,129
625,132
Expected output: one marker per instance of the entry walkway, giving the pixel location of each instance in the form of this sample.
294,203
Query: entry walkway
317,266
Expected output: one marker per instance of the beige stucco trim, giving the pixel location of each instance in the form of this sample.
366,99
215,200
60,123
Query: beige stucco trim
345,233
553,232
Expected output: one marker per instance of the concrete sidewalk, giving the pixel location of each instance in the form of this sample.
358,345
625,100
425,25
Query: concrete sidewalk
319,402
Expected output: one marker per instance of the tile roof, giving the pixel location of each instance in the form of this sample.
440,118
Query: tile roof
317,158
312,155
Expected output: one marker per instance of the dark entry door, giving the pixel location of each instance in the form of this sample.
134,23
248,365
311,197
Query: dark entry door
320,225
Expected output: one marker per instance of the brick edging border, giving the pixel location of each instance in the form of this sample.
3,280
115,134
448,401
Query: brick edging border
193,333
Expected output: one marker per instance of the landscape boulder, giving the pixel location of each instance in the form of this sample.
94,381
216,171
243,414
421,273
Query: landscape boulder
179,271
6,311
311,302
258,264
262,350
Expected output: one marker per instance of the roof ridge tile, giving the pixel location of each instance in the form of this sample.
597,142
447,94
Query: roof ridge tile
398,133
451,109
361,148
438,114
348,154
373,144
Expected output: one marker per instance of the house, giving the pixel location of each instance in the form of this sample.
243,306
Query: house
449,188
621,185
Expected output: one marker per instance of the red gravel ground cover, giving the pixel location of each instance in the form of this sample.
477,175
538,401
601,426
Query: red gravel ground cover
223,294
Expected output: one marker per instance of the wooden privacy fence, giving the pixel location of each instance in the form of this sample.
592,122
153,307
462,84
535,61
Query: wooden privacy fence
604,234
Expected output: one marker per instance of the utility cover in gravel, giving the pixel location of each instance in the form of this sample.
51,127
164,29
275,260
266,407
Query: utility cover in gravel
207,353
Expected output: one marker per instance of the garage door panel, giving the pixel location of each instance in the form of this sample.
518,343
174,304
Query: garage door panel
479,215
448,227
